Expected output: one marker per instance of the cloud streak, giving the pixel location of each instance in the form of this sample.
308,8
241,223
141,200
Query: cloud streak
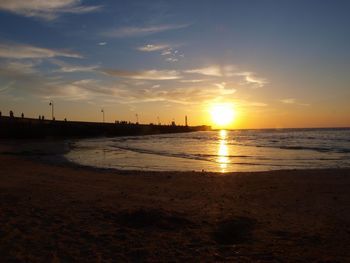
186,95
292,101
141,31
144,74
214,71
16,51
45,9
288,101
68,68
170,54
27,67
207,71
251,78
229,71
151,47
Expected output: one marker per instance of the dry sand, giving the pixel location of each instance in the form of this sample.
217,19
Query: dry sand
64,213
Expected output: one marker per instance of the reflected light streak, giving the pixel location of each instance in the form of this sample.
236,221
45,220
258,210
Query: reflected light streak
223,153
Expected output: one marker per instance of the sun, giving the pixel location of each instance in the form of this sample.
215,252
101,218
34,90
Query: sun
222,114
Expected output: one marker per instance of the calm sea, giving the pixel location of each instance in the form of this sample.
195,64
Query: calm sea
219,151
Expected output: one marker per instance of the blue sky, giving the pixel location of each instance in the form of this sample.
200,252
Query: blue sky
280,63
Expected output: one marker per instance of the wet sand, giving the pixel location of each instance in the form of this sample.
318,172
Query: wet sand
56,212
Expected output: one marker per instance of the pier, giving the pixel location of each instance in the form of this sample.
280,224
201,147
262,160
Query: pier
17,127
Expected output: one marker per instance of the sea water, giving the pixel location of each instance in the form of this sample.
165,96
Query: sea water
218,151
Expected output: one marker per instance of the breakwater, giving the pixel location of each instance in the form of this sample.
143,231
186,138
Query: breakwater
12,127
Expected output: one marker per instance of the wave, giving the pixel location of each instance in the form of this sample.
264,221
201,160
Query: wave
334,148
201,157
164,153
318,149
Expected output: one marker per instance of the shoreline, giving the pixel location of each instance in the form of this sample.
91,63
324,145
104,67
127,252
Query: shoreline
51,151
62,212
60,161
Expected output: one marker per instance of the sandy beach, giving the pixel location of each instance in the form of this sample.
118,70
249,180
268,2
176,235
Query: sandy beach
65,213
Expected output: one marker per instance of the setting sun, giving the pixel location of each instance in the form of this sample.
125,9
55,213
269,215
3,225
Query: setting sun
222,114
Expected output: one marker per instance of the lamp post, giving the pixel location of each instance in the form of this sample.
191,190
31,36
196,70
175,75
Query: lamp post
103,115
52,109
137,118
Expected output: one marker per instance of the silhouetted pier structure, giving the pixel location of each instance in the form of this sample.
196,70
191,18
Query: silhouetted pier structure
18,127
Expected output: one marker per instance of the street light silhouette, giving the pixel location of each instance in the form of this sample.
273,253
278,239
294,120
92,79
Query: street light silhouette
52,109
137,118
103,114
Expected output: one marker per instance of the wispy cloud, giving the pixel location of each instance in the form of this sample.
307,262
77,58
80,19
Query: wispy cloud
192,80
141,31
27,67
16,51
83,89
291,101
153,47
170,54
145,74
251,78
288,101
171,59
135,87
102,43
6,87
78,69
256,104
45,9
214,70
166,52
26,82
208,71
188,95
224,90
68,68
229,71
24,78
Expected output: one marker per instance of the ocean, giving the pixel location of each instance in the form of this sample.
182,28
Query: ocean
218,151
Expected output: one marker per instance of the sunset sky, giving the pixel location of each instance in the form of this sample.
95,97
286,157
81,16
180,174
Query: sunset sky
277,63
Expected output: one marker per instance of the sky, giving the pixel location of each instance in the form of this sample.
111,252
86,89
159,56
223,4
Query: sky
277,63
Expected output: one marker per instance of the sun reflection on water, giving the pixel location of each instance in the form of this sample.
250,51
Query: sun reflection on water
223,152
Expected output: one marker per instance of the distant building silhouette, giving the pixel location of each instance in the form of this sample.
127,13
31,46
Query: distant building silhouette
11,114
22,115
